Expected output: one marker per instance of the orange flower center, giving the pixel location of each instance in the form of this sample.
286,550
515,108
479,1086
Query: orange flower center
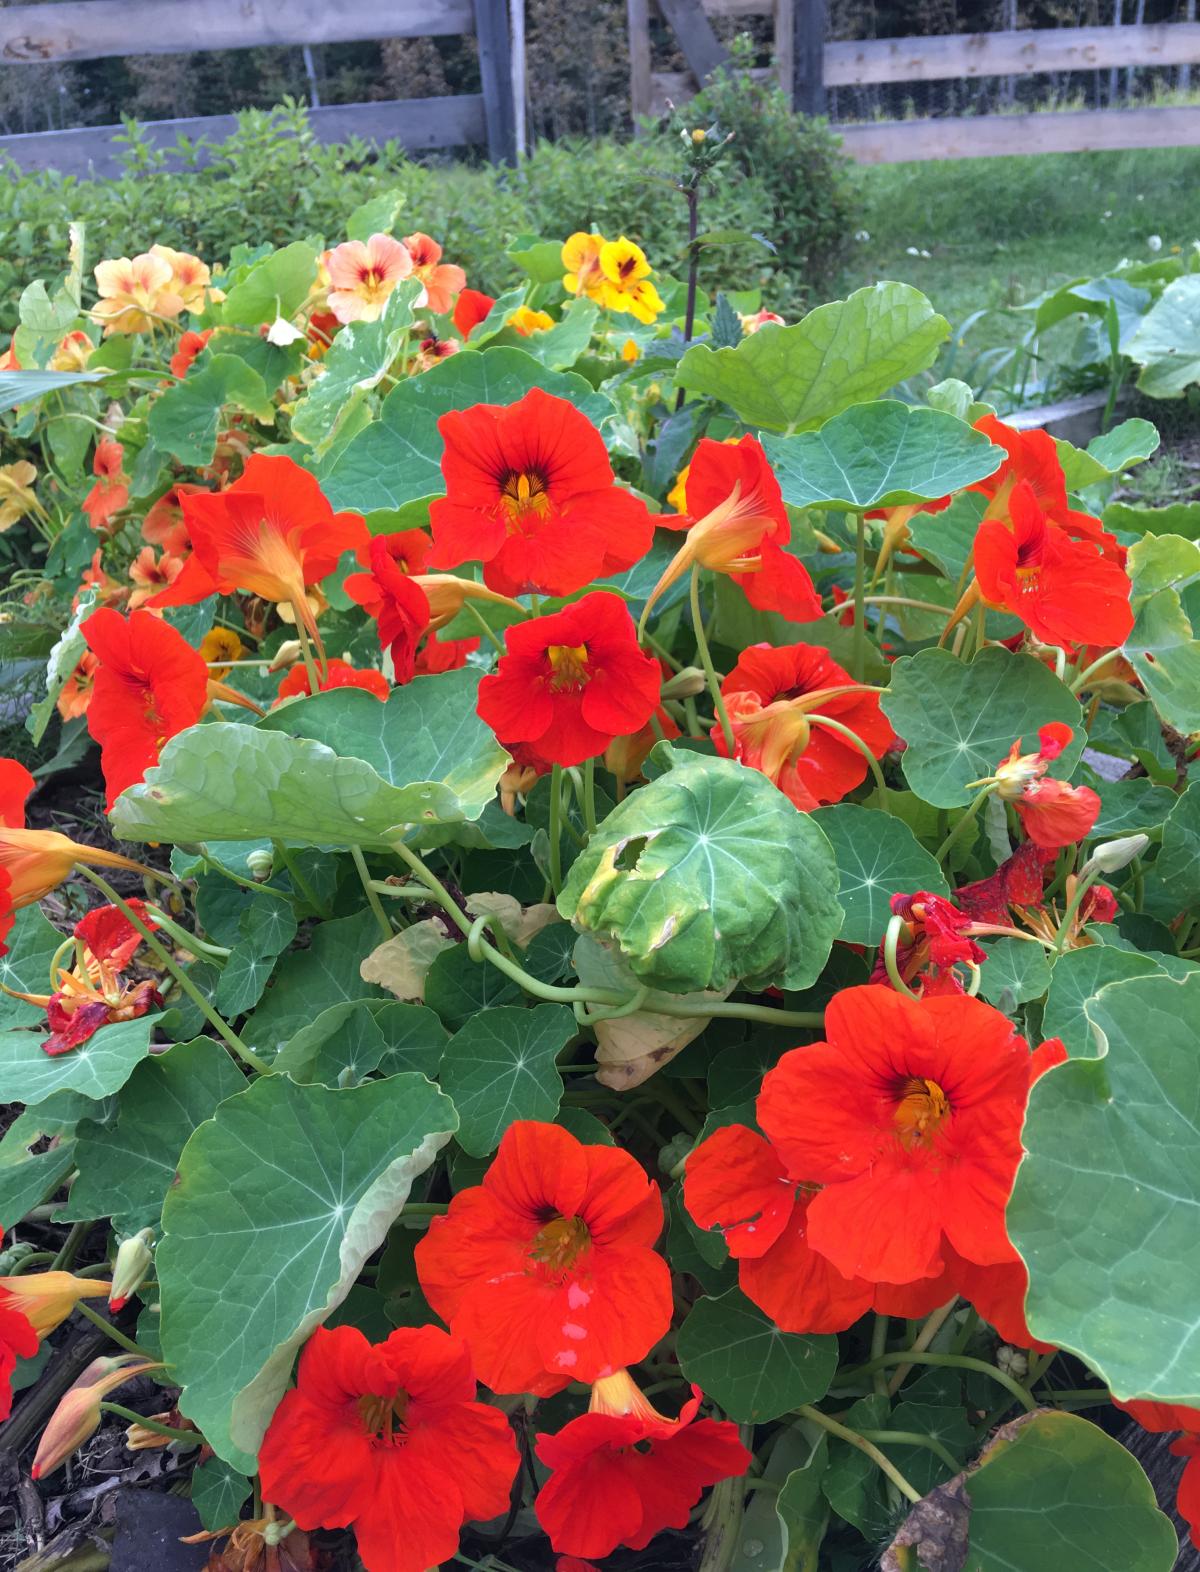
559,1243
382,1417
521,493
568,665
922,1108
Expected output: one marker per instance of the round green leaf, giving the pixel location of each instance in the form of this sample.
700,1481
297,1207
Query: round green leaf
880,455
1167,344
1061,1496
1076,979
1015,972
794,378
274,287
1127,807
878,856
337,769
184,420
97,1067
1163,648
349,1040
960,720
1178,864
219,1493
1106,1207
310,981
501,1067
32,942
706,876
282,1196
729,1348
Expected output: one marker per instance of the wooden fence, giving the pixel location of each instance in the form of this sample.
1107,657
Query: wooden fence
97,29
806,63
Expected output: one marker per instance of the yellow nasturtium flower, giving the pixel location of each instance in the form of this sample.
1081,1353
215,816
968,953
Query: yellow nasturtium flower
627,285
581,258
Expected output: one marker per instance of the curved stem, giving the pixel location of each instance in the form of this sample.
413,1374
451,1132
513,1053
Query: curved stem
815,719
71,1246
914,1438
373,901
109,1330
222,1027
192,1437
556,791
891,940
185,940
299,883
706,661
1082,885
921,1342
807,1411
1088,672
953,1361
968,817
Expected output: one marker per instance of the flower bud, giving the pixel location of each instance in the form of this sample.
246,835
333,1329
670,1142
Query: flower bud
46,1299
1112,856
699,135
685,684
78,1414
133,1262
287,654
261,864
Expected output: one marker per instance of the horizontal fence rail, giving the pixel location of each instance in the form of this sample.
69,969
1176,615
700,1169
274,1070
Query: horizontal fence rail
994,136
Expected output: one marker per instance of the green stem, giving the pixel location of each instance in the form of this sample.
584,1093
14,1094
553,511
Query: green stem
187,941
953,1361
373,901
968,817
496,643
879,1337
425,1208
310,665
706,661
891,940
858,658
1081,1395
110,1330
192,1437
556,790
168,962
807,1411
1088,672
434,885
301,885
236,878
853,737
72,1246
915,1438
589,796
1082,885
921,1342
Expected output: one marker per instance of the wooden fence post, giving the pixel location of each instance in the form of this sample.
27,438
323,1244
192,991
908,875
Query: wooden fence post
808,51
495,71
701,47
641,88
785,25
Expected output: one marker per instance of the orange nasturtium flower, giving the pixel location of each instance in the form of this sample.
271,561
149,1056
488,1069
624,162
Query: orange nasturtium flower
442,280
363,273
581,258
626,275
151,573
527,321
17,496
1052,813
46,1299
76,693
135,292
189,276
73,352
111,492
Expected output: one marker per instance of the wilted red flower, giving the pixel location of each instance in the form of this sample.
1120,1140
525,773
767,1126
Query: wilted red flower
1051,812
1065,590
189,348
531,494
546,1269
770,695
938,938
337,674
437,655
389,1440
910,1117
737,524
470,309
442,280
1018,881
18,1340
110,937
150,685
571,682
388,594
623,1472
111,492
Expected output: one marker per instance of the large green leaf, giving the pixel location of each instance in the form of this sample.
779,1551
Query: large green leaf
1076,979
741,1359
802,1509
1163,647
125,1173
878,856
1129,806
21,387
706,876
337,769
960,721
1167,345
97,1067
184,420
880,455
500,1067
1106,1208
282,1196
1061,1496
275,287
348,1041
357,361
26,967
311,981
1131,442
1177,867
794,378
398,457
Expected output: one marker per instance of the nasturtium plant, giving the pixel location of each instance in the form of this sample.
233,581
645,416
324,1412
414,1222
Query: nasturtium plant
641,937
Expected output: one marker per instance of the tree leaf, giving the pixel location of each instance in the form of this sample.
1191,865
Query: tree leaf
880,455
356,362
707,876
337,769
730,1349
878,856
500,1067
960,720
1063,1495
126,1171
1115,1139
1163,648
1167,344
97,1067
281,1198
794,378
184,420
32,942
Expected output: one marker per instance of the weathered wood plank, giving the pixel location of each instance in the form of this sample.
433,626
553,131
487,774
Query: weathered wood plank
679,86
414,122
495,71
1021,53
738,7
785,35
808,57
991,136
95,29
701,48
641,88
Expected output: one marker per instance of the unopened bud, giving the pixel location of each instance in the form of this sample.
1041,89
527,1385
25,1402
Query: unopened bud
78,1414
1112,856
685,684
1012,1361
133,1262
699,135
287,654
261,864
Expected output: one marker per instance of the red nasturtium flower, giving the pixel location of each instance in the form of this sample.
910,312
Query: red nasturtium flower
272,533
623,1472
190,346
737,524
571,682
389,1440
470,309
18,1340
546,1270
770,695
111,491
1162,1417
92,994
337,674
531,494
1052,813
910,1117
150,684
442,280
387,593
438,655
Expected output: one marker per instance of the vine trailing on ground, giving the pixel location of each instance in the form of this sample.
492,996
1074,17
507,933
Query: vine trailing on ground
637,988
